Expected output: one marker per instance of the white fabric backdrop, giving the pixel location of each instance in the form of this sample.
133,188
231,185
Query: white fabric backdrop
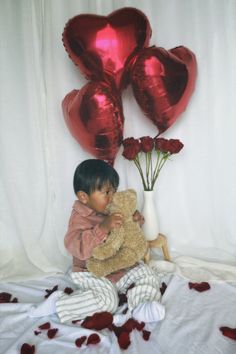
196,192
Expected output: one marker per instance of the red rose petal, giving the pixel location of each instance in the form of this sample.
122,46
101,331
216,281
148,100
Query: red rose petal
68,290
52,332
75,321
5,297
200,287
93,339
228,332
98,321
146,335
110,328
122,299
124,340
163,288
129,325
50,291
37,333
45,325
139,326
116,329
103,319
79,341
88,322
27,349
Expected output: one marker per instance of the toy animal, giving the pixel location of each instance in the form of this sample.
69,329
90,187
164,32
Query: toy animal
124,246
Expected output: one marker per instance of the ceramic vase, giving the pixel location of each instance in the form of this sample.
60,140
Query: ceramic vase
149,211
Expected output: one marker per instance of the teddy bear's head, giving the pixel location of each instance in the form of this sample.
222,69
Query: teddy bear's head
124,202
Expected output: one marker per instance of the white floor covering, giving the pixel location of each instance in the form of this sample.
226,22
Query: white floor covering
191,325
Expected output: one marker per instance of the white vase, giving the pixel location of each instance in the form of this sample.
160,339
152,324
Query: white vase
149,211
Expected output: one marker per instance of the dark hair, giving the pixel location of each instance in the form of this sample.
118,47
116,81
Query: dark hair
93,174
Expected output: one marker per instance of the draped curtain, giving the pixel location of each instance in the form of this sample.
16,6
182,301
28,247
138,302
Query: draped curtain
195,192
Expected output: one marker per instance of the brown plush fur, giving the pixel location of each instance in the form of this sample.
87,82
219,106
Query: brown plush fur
124,246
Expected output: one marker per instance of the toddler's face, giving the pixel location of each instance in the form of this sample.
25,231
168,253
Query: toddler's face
99,199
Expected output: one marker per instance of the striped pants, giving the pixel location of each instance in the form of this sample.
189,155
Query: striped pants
100,294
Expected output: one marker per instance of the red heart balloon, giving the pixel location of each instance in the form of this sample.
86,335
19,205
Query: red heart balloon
163,82
102,46
94,116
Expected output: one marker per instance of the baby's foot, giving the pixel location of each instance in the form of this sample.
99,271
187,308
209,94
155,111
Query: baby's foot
151,311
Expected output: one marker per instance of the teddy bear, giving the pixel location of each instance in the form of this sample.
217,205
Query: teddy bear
124,246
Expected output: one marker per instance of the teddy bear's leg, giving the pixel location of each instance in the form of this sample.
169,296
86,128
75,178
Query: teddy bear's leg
123,259
134,239
141,248
110,247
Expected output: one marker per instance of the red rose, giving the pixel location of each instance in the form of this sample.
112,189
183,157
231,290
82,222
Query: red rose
131,149
152,166
162,144
175,146
128,141
147,143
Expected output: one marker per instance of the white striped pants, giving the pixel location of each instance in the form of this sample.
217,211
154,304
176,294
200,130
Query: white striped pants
100,294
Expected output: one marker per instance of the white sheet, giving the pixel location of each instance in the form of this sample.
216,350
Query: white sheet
195,269
191,325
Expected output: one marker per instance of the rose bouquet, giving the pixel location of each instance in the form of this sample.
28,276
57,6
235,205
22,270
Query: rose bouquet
153,152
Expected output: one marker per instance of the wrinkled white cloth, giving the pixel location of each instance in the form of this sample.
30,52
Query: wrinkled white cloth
195,269
47,307
191,324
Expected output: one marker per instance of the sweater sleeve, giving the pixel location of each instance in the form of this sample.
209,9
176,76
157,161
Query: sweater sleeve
82,236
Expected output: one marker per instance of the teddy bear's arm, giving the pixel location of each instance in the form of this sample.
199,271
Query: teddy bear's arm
112,244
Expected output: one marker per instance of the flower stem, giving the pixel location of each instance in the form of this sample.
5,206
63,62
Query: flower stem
148,156
161,159
137,164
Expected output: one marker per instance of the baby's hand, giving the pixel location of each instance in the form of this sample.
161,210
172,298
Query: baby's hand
138,217
112,221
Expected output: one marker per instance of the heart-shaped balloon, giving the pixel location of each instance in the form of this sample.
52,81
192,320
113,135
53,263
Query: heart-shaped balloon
163,82
94,116
103,46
